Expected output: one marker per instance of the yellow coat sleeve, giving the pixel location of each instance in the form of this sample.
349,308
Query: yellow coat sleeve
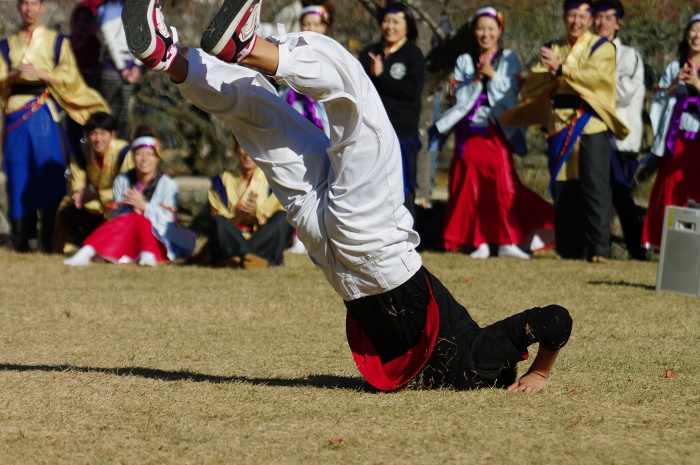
591,75
69,89
534,106
594,80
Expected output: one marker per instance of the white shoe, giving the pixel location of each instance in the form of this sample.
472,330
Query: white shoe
147,259
482,251
513,251
82,257
297,246
537,243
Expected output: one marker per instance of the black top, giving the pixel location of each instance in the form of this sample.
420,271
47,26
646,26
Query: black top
400,85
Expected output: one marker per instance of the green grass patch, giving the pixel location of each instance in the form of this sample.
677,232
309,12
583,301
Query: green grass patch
121,364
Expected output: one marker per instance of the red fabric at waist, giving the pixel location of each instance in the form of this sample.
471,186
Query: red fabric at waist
399,371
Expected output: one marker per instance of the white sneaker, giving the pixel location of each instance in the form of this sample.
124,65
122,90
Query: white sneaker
297,246
513,251
147,259
483,251
82,257
537,243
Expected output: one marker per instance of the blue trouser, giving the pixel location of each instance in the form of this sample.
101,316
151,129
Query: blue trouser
33,163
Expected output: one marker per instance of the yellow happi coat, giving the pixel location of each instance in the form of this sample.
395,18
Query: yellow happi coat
588,75
99,177
66,85
236,190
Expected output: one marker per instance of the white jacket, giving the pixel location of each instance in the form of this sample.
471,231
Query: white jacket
630,96
662,106
502,92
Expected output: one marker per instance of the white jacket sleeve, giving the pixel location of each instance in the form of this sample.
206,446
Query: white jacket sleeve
466,94
661,109
160,210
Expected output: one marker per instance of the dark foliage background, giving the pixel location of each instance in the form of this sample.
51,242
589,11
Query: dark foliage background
202,144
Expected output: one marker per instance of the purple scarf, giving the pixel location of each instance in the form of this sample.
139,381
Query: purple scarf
464,129
683,103
308,107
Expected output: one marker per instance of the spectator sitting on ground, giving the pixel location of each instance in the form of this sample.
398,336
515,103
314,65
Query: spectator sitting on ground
249,227
90,182
142,228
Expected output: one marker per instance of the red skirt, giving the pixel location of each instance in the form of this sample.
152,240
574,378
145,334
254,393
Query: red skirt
126,236
677,181
488,204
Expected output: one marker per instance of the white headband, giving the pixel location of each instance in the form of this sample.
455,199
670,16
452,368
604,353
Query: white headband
486,11
145,141
491,12
694,19
317,10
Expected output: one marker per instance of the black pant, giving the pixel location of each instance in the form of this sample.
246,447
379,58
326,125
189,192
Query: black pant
268,242
75,225
624,204
582,207
25,228
465,355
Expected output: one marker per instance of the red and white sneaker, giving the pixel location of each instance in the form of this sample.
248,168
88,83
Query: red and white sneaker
231,34
147,35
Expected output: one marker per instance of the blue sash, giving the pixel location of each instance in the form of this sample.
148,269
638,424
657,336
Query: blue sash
5,51
560,144
218,185
624,168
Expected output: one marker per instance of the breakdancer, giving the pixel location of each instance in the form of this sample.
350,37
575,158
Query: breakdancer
344,196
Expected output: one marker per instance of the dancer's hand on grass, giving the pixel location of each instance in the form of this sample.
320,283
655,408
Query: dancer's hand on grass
530,382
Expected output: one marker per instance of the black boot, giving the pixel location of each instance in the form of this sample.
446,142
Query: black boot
22,229
48,223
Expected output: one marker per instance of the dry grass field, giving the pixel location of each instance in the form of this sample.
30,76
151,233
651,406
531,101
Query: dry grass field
120,364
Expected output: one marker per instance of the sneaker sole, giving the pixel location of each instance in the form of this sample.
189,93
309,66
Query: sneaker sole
139,29
222,26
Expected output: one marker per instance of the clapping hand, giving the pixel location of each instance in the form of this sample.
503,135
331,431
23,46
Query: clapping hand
376,66
485,70
688,75
246,210
83,196
135,200
550,60
29,71
249,205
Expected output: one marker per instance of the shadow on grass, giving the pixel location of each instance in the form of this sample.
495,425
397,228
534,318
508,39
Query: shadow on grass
623,284
316,381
